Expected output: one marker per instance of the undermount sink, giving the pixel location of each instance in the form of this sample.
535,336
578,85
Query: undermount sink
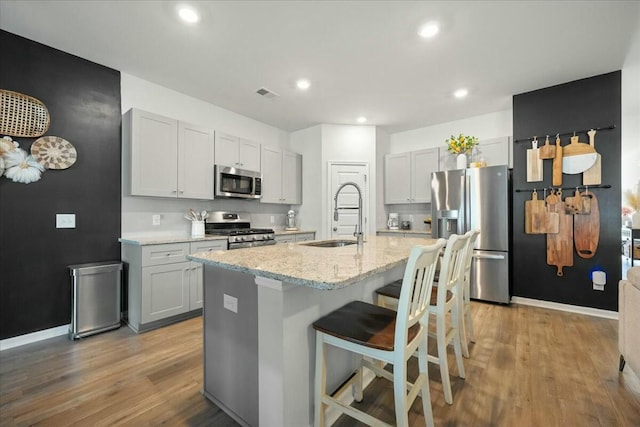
330,243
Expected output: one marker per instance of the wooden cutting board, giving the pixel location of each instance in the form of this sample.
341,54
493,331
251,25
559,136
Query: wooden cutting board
560,245
534,163
587,228
577,204
593,175
577,157
557,164
532,208
547,151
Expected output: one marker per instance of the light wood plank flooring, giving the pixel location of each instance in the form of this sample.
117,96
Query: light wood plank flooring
528,367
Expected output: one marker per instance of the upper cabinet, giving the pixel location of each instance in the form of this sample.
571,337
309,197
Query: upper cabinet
281,176
407,176
167,158
237,152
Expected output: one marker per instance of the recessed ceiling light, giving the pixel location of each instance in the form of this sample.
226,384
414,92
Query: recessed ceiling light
361,119
188,14
460,93
303,84
429,30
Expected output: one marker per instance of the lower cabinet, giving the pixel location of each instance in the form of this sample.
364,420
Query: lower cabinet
163,286
291,238
426,234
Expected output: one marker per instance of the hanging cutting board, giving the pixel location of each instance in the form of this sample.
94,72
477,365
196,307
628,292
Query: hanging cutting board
533,208
534,163
577,204
577,157
593,175
560,245
547,151
557,164
587,228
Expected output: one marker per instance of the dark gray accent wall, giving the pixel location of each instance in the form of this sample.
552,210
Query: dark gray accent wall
579,105
83,99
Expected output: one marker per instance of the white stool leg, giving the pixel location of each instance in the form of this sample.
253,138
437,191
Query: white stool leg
457,340
462,330
320,381
400,393
357,385
426,395
442,357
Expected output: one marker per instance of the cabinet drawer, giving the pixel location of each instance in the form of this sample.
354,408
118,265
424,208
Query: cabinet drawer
305,236
286,238
215,245
164,254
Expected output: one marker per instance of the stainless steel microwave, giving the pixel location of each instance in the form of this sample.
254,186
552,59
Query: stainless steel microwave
237,183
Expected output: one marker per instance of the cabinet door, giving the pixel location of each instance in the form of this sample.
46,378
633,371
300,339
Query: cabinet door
496,151
195,286
287,238
165,291
291,178
154,149
195,162
249,155
423,163
271,161
226,150
397,178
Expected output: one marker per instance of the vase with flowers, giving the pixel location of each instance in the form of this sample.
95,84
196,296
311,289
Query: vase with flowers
633,201
461,146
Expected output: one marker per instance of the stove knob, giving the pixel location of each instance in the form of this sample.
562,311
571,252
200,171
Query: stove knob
256,238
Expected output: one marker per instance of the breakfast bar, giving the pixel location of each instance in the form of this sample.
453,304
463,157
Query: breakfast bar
259,304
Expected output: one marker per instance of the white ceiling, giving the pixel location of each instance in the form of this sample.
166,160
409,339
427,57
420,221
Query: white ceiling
362,57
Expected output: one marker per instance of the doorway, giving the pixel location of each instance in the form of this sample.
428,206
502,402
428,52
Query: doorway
340,173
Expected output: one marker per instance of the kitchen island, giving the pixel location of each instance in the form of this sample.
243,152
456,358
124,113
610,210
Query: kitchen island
259,304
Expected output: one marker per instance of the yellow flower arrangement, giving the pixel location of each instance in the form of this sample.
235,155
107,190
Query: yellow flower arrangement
461,144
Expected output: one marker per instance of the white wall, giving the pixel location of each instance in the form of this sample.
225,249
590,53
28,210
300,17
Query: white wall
485,126
631,118
137,211
308,142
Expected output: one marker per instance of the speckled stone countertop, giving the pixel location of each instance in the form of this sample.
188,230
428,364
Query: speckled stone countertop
321,268
160,240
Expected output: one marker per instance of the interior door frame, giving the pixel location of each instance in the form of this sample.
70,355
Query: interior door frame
367,192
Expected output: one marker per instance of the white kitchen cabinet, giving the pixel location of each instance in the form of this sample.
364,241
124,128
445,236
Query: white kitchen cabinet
494,152
281,176
237,152
167,158
163,286
407,176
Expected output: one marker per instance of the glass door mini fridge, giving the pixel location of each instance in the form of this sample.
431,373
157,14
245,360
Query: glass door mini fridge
477,198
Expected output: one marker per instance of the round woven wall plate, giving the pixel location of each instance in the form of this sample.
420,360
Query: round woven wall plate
53,152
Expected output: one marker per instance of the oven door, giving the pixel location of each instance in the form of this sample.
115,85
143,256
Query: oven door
237,183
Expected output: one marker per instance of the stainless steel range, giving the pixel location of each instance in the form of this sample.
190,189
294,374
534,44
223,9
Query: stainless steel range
237,228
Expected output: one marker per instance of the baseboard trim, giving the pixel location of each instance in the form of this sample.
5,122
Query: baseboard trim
589,311
20,340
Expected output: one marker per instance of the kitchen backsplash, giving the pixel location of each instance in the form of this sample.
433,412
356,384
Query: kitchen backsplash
414,212
138,212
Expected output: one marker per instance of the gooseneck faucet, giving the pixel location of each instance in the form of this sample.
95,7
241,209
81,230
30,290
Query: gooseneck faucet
358,234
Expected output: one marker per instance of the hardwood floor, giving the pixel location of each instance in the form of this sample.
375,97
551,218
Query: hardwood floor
528,367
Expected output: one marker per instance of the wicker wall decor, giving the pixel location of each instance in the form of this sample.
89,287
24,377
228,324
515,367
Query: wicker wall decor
22,115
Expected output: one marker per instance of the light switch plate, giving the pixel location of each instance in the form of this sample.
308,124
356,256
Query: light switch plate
230,303
65,220
155,219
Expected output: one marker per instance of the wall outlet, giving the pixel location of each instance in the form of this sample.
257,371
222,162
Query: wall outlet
65,220
273,220
155,219
230,303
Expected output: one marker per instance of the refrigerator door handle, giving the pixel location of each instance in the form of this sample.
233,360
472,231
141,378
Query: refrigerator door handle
488,256
467,202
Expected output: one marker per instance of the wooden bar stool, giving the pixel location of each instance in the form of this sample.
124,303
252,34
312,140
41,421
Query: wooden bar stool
442,303
383,335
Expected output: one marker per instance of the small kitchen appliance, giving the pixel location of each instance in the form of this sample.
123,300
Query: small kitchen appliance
291,221
237,228
392,222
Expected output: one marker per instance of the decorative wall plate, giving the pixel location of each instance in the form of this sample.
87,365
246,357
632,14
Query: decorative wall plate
53,152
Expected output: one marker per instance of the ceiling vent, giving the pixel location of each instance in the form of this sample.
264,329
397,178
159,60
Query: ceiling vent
269,94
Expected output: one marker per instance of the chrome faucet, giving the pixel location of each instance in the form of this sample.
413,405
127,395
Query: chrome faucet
358,234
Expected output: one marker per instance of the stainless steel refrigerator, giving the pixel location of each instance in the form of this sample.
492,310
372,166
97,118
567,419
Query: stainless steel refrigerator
477,198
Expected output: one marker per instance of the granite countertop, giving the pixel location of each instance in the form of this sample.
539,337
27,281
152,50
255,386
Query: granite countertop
321,268
386,230
160,240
